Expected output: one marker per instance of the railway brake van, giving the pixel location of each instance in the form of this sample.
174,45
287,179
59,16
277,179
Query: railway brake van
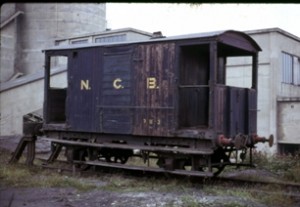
164,99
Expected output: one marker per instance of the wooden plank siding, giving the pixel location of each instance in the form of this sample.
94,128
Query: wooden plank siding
155,92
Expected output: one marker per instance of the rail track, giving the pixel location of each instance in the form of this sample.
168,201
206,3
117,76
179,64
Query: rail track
292,190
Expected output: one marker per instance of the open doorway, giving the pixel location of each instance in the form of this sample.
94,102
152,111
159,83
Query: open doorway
193,86
57,90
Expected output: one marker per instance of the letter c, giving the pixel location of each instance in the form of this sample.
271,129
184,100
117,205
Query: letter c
117,83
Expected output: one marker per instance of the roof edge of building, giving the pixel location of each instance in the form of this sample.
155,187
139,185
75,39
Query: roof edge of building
108,32
273,29
28,79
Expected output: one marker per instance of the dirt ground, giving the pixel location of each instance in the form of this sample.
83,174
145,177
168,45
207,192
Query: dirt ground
66,197
69,197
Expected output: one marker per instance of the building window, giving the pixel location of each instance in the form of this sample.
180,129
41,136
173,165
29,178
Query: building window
297,71
114,38
79,41
290,69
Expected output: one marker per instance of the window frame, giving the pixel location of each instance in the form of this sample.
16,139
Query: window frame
290,69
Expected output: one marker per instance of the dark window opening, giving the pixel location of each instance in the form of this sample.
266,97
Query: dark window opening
57,91
289,149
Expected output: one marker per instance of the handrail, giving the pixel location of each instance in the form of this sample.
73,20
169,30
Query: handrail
12,17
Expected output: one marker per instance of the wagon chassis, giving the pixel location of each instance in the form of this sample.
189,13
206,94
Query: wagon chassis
172,159
190,156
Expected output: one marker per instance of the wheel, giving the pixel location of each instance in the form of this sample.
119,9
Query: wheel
214,163
117,159
170,163
120,156
78,154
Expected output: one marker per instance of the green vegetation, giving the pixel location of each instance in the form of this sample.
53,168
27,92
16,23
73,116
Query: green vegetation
19,175
24,176
269,195
285,167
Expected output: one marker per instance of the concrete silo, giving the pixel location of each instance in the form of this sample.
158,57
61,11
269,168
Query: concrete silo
27,28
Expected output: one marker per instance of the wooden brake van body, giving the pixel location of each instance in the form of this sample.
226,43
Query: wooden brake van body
162,92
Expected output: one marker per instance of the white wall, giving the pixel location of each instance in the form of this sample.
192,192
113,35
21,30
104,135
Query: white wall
289,122
20,100
271,117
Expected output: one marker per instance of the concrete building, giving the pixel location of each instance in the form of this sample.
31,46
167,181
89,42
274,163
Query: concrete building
27,28
278,87
116,35
26,94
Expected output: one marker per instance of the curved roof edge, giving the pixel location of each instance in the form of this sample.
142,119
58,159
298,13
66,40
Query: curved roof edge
247,37
206,35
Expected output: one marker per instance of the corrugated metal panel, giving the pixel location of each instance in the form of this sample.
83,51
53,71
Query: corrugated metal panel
116,109
154,84
116,79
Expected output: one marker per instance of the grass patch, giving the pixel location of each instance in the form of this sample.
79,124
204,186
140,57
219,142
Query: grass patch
218,190
20,175
270,195
24,176
286,167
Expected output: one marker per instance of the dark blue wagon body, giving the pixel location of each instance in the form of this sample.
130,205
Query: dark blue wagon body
156,87
165,96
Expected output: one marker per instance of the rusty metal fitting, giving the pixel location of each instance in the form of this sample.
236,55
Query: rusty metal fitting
240,141
270,140
224,141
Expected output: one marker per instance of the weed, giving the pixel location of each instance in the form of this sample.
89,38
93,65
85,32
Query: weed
272,195
285,166
13,175
24,176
